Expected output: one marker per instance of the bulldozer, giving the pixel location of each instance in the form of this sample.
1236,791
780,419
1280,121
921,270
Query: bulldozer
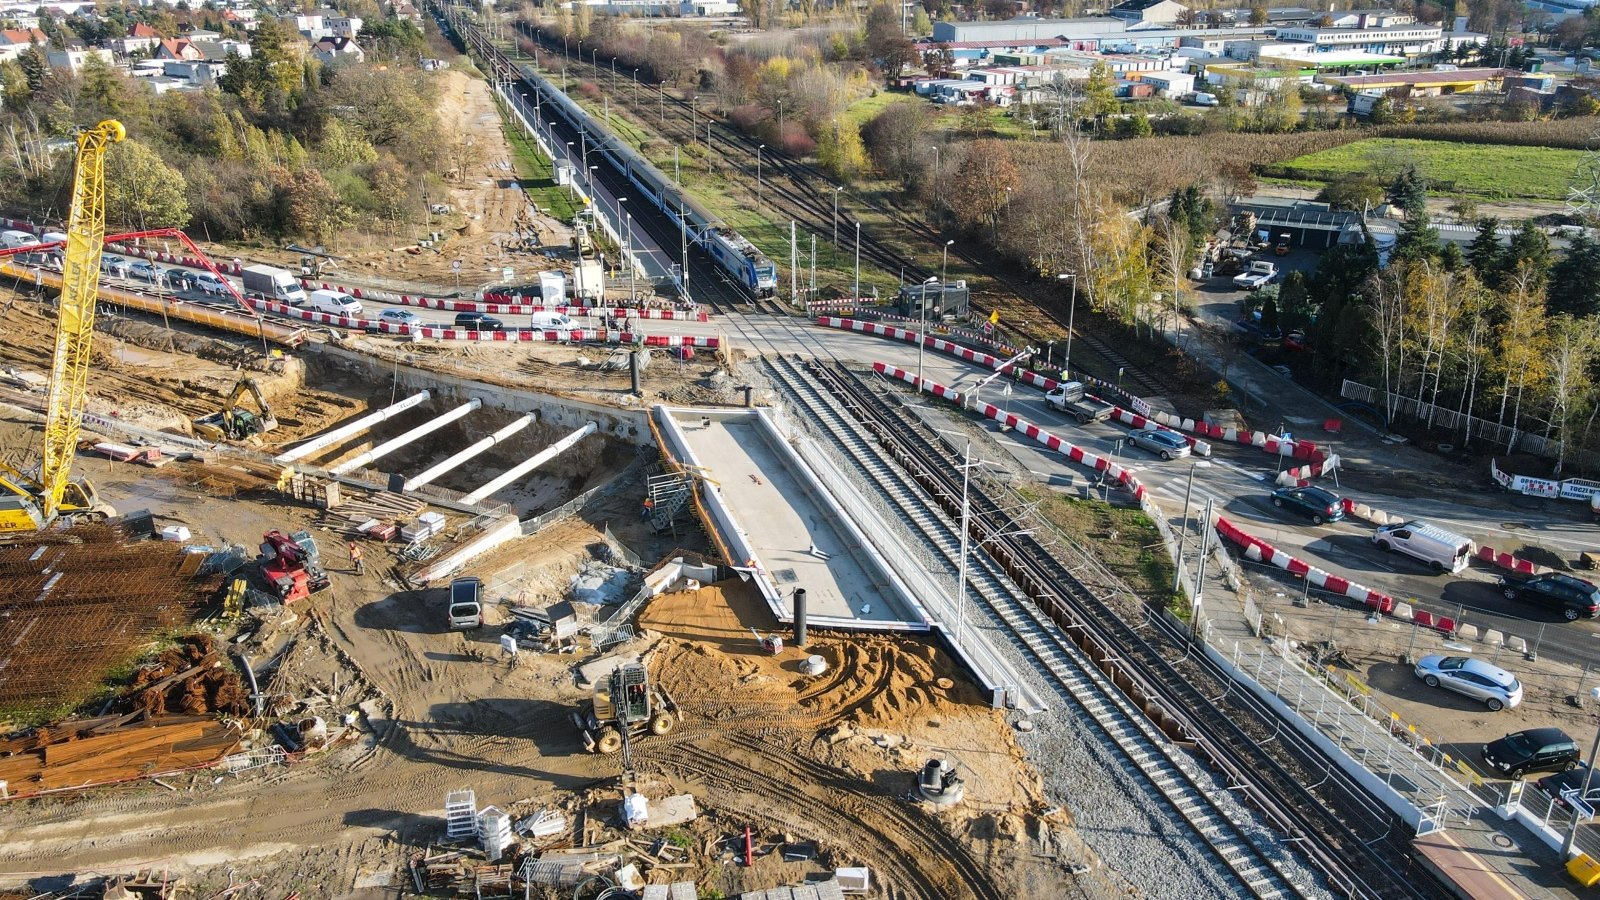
234,422
626,706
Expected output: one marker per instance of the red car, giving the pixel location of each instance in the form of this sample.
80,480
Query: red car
1296,340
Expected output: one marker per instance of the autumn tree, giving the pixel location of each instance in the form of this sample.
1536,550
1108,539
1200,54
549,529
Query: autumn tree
142,191
895,139
1569,355
982,184
839,149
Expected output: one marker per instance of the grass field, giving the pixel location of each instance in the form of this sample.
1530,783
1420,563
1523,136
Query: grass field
1491,171
537,178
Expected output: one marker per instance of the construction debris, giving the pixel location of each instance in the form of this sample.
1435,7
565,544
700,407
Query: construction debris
82,757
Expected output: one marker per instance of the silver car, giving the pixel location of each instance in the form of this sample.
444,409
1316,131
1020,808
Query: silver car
1497,688
1165,444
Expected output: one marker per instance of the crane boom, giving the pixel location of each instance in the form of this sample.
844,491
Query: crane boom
80,288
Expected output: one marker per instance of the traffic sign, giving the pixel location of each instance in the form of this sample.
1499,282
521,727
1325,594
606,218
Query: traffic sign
456,265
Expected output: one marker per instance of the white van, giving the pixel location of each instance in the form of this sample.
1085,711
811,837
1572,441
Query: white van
334,302
11,238
551,321
1445,551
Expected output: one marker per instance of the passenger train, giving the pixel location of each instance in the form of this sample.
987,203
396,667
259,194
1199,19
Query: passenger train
726,247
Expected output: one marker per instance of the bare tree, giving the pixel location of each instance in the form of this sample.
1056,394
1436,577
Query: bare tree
1572,347
1386,302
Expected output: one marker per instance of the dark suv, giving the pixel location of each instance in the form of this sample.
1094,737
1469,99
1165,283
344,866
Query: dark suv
1313,502
477,321
1574,598
1534,750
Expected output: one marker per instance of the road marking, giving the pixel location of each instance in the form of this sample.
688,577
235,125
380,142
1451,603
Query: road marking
1240,469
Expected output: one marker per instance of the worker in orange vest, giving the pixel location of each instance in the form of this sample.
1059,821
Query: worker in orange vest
355,559
649,507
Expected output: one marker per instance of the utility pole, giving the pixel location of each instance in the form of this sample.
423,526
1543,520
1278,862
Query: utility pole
1200,574
966,523
683,251
794,268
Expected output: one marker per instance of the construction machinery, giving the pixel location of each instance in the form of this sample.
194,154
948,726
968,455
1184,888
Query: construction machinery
234,422
291,565
29,503
626,706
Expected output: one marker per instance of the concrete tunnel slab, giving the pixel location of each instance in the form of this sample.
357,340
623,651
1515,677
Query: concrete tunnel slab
777,512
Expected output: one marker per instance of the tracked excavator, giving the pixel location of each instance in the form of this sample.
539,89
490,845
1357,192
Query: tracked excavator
234,422
29,501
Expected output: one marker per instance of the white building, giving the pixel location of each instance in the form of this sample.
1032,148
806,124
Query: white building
1169,84
75,60
334,49
1390,40
327,23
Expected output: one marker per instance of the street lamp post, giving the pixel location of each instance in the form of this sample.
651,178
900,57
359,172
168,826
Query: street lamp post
635,85
1183,527
944,261
758,174
857,294
1072,312
1583,792
633,270
922,327
583,136
834,247
780,124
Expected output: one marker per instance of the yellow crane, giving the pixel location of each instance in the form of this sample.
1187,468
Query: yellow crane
28,503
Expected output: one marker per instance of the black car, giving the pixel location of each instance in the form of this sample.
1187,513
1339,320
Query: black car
1571,780
1573,597
1534,750
476,321
1313,502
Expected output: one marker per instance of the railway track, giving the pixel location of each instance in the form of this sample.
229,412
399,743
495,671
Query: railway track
1358,845
806,194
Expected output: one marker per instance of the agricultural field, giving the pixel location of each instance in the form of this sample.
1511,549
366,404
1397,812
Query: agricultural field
1490,171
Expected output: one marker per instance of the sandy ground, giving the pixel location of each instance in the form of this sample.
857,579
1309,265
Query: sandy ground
484,228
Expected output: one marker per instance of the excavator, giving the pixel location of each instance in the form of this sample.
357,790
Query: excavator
32,502
234,422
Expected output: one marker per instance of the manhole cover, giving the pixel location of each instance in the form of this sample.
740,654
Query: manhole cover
785,576
1501,840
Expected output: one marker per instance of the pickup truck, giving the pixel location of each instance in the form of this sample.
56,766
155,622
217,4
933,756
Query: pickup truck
1071,398
1260,273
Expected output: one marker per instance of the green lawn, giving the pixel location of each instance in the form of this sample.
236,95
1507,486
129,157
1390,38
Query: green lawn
537,178
862,111
1490,171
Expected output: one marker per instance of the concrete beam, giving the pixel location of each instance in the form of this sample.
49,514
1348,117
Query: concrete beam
439,468
350,428
531,463
387,447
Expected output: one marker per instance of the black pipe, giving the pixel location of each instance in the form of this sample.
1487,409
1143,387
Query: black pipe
799,617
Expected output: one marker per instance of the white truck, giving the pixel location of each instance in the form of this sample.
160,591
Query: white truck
588,281
1260,273
1071,398
272,284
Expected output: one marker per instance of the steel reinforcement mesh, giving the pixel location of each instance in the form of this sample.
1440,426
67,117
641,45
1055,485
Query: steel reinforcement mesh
77,604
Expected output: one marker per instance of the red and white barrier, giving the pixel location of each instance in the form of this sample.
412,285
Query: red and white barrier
524,335
1054,442
1508,562
993,362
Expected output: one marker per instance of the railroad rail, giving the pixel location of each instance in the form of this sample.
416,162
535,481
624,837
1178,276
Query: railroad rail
806,194
1359,846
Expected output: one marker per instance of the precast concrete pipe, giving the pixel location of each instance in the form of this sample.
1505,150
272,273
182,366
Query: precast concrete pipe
387,447
531,463
350,428
457,459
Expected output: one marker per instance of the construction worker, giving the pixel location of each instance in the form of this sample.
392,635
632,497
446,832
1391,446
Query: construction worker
355,559
649,507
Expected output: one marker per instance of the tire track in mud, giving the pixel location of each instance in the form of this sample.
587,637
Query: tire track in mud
911,852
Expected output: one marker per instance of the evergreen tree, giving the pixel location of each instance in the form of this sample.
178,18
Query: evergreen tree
1575,280
1409,189
1529,243
1487,257
1418,238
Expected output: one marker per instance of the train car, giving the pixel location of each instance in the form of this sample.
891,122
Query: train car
728,249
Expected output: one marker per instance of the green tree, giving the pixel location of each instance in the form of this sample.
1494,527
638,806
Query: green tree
1487,257
1258,15
1530,243
35,68
1409,189
1357,193
1575,280
839,149
142,191
1418,238
1099,94
343,146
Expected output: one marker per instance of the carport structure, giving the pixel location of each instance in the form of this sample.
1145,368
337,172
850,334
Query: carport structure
1308,224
